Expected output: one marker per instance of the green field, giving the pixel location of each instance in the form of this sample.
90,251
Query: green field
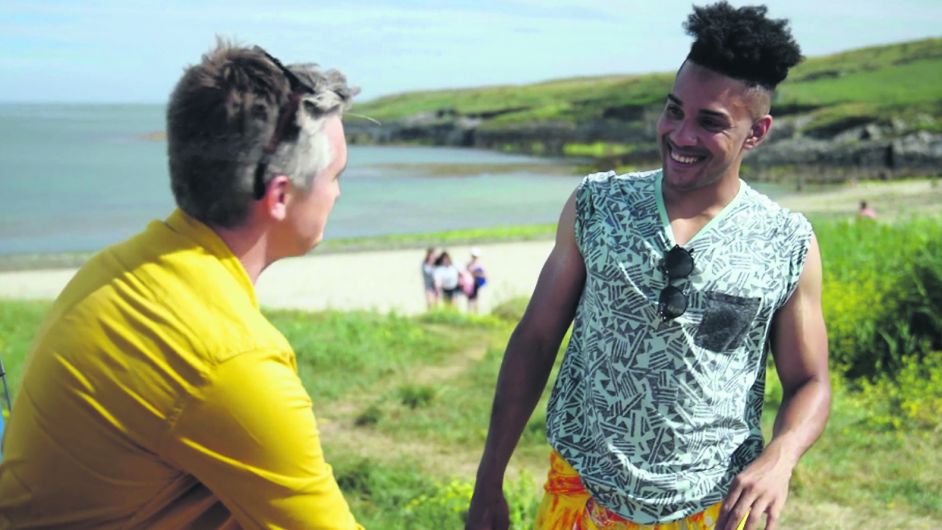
405,433
894,85
905,74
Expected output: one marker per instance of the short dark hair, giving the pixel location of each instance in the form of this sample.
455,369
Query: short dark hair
220,118
742,43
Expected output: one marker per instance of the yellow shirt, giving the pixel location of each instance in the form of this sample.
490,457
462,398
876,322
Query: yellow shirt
158,396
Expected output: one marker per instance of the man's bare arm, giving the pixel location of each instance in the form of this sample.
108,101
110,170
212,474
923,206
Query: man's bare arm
800,348
527,364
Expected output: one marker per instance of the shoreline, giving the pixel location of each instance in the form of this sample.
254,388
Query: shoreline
383,280
382,273
891,199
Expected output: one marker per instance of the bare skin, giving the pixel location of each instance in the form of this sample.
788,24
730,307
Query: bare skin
288,221
526,367
709,122
799,344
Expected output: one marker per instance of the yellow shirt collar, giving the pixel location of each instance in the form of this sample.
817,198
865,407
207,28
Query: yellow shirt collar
207,238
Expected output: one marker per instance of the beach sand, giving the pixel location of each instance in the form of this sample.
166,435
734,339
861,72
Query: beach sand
382,280
389,280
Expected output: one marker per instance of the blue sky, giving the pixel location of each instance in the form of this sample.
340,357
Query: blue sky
134,51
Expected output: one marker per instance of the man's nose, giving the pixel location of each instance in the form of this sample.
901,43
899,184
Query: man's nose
684,134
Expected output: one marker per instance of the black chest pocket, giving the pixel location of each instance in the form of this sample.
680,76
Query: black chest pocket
726,319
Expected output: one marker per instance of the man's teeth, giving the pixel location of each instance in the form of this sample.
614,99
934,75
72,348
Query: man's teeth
684,159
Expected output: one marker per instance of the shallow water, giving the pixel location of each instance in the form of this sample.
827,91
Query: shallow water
80,177
76,178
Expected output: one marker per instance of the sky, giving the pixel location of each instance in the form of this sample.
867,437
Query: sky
128,51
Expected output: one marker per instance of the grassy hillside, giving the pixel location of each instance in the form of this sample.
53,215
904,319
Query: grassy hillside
884,76
560,99
897,87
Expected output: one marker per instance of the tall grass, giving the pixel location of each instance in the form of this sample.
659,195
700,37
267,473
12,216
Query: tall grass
882,293
407,399
19,321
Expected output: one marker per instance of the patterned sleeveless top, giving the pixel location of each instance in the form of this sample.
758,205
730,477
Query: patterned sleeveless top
659,417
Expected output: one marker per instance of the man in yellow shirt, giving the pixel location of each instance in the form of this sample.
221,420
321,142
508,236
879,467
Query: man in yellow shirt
156,394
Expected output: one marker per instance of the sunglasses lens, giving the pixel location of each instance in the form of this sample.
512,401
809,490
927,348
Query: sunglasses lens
678,263
672,303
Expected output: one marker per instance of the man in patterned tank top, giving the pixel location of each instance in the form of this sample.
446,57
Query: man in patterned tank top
678,282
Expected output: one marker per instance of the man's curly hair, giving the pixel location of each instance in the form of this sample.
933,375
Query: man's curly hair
742,43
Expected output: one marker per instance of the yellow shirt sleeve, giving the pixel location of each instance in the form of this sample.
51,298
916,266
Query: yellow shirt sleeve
250,436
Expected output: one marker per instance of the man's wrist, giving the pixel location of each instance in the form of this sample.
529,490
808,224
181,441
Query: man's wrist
787,452
488,481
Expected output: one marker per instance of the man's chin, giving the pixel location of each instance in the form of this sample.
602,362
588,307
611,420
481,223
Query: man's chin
315,243
682,181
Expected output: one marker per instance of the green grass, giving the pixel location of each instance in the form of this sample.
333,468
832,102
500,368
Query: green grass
491,234
898,80
19,321
567,98
884,86
881,297
405,434
330,346
874,469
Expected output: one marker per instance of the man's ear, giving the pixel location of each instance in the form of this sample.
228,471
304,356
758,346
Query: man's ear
277,196
760,131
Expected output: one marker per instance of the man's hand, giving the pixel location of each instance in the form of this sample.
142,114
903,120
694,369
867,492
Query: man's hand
761,488
527,364
800,347
490,513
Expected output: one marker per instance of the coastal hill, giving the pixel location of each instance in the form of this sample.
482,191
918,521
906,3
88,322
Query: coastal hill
867,113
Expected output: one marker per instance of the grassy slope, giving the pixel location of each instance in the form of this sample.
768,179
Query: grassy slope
415,415
408,429
881,81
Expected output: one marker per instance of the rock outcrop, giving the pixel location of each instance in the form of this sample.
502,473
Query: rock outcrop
858,148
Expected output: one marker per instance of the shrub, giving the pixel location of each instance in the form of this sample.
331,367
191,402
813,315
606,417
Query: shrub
415,396
909,400
447,506
369,416
882,293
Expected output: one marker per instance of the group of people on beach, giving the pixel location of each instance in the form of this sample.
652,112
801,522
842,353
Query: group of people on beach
444,281
158,395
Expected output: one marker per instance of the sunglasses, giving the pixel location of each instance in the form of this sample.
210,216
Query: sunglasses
285,115
677,264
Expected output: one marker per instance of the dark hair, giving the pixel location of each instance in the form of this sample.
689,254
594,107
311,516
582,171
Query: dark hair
222,114
742,43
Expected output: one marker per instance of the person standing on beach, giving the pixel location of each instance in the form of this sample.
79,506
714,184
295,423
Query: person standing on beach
157,395
432,293
677,280
447,278
478,279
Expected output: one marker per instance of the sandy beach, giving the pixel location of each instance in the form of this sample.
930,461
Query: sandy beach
389,280
381,280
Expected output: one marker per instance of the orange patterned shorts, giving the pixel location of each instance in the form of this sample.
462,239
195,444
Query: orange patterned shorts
568,506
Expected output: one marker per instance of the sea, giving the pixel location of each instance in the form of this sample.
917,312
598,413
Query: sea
76,178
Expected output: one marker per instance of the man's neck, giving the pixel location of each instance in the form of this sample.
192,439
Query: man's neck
249,246
701,202
688,211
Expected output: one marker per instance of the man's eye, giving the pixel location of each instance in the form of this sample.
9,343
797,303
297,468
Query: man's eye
712,125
